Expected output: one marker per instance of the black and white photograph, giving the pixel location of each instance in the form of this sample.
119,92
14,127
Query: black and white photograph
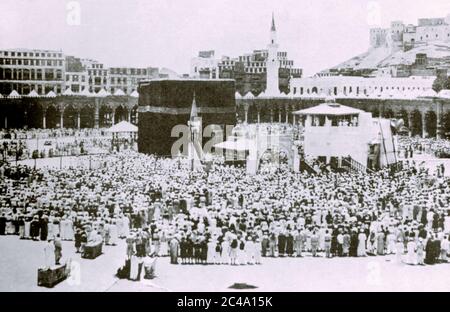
224,146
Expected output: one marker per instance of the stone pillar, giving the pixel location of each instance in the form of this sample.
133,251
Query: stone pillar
439,114
279,116
129,115
78,120
61,123
96,115
271,116
113,116
287,116
246,113
44,119
410,123
293,119
6,122
424,126
259,117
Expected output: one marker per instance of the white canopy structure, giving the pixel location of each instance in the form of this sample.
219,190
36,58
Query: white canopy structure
68,92
123,127
86,92
445,94
102,93
430,93
134,94
51,94
33,94
237,96
329,109
14,95
1,96
238,145
119,92
249,96
262,95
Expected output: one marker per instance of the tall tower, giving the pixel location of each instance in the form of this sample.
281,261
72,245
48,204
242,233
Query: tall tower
272,64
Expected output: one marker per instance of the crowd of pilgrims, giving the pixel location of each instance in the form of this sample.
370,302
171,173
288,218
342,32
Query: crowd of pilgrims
224,216
437,147
21,144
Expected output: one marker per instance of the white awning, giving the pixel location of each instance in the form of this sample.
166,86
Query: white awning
238,145
445,94
119,92
14,95
123,126
33,94
86,92
51,94
68,92
249,96
329,109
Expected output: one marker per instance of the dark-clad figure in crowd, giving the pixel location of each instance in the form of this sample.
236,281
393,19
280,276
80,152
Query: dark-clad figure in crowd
2,224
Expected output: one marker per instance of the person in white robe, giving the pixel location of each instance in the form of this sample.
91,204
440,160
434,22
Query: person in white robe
107,233
49,254
120,229
390,243
113,233
400,248
447,224
63,225
69,230
444,248
250,251
210,256
27,227
126,226
257,250
411,252
225,251
361,251
134,268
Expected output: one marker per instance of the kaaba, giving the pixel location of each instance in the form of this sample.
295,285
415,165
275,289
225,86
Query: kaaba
165,103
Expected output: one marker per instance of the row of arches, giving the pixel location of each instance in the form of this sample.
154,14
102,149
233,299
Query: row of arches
37,116
422,123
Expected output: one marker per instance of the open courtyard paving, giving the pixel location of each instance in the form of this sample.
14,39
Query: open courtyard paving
20,260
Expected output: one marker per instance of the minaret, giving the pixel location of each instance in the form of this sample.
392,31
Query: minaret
194,108
195,152
272,63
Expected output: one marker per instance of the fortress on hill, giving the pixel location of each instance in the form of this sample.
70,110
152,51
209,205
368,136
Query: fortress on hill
405,37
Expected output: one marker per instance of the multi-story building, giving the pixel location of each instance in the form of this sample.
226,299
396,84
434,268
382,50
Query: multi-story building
205,66
76,78
400,36
76,81
43,71
127,79
351,85
97,75
249,70
25,70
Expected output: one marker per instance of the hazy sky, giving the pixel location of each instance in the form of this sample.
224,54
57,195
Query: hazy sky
166,33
